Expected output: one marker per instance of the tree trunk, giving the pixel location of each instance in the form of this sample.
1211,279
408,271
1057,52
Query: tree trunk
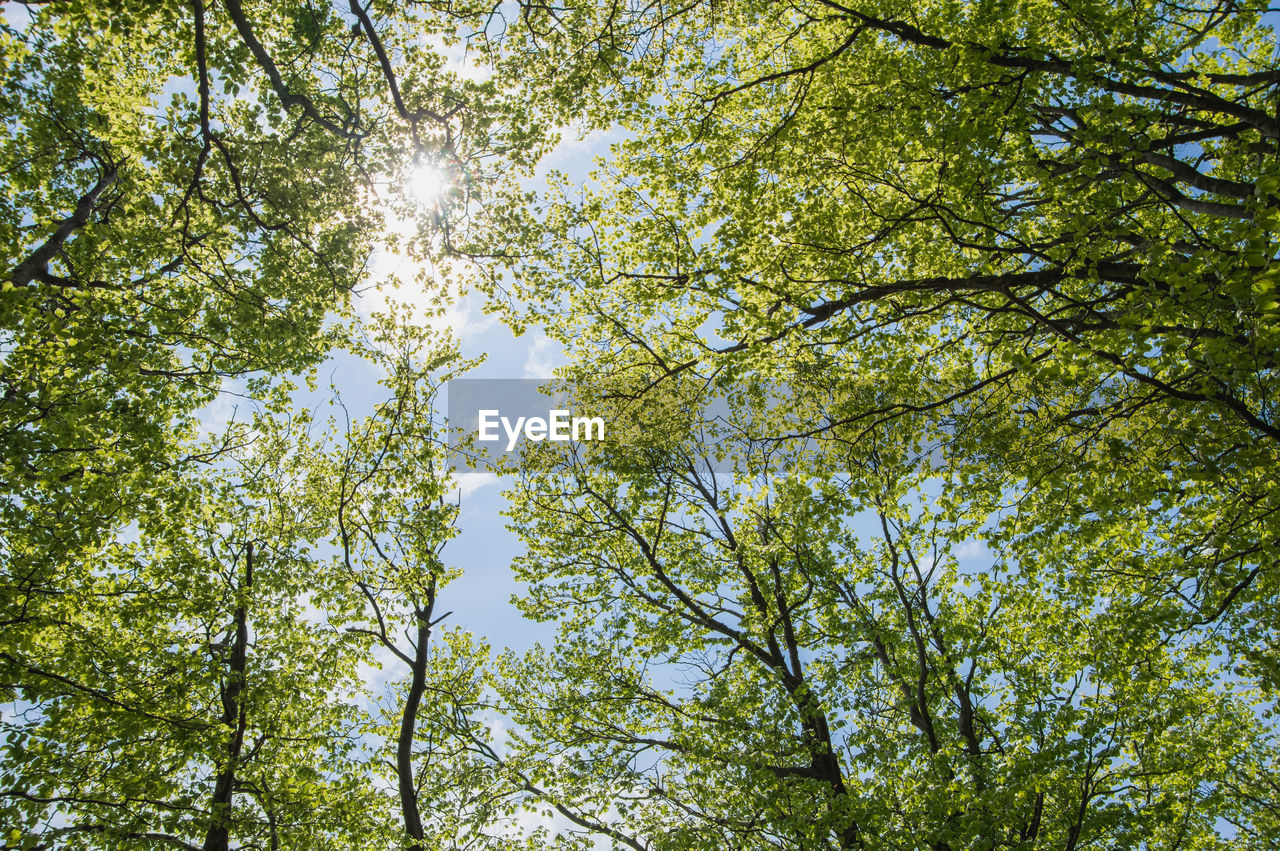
38,262
233,716
404,743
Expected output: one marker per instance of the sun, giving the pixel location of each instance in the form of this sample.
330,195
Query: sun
426,184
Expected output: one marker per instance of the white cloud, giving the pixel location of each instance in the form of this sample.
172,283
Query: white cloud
415,284
470,482
214,417
382,669
971,549
17,16
544,357
576,152
499,735
460,63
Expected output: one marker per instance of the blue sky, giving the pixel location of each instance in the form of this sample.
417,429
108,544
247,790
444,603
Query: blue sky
484,548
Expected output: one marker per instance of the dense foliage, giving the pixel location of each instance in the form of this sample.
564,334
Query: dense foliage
986,559
1013,267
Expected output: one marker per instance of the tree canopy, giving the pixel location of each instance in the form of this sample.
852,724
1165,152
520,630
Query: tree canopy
984,556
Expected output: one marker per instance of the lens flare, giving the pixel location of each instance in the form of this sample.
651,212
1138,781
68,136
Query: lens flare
426,184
